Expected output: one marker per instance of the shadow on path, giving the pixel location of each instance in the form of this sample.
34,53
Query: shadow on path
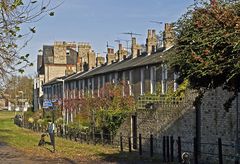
129,158
9,155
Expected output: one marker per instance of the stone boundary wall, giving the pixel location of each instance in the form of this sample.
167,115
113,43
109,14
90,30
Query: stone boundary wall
215,122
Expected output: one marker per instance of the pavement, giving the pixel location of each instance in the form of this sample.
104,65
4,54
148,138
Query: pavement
9,155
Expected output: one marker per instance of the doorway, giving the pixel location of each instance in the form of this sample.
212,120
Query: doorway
134,131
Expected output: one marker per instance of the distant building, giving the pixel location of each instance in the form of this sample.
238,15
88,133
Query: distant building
60,59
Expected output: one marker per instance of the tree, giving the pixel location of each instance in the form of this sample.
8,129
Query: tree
207,50
15,13
106,111
18,87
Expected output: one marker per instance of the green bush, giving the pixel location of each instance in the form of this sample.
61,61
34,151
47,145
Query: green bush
110,119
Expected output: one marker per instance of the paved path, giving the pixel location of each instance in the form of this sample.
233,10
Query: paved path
9,155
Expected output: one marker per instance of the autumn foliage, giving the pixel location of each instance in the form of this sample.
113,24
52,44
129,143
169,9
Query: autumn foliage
207,50
106,111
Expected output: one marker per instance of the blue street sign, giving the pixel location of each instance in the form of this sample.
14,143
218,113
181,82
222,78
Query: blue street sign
47,104
54,100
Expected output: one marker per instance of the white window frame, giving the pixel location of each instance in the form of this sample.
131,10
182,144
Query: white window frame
164,78
83,87
130,82
124,80
88,86
92,85
99,81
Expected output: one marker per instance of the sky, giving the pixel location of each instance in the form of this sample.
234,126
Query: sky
99,21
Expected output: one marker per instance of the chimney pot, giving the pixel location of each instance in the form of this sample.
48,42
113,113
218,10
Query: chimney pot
120,46
134,41
109,50
149,33
153,32
136,48
110,56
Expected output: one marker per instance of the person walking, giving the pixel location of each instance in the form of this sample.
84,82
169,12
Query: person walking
51,128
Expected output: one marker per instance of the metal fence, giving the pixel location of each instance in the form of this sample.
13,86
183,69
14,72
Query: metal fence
171,149
77,135
164,149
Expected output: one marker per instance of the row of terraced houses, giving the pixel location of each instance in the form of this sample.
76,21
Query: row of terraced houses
69,70
82,72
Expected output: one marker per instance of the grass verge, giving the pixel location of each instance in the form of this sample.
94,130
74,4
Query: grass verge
26,141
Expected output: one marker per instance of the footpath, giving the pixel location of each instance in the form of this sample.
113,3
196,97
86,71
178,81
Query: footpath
9,155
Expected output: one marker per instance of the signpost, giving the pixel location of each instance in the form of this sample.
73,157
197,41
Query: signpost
53,107
50,104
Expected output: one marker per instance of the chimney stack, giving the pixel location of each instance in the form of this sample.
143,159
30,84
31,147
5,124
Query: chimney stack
120,46
68,70
136,48
149,33
79,64
91,60
151,41
99,60
87,56
153,32
121,53
59,49
110,56
168,37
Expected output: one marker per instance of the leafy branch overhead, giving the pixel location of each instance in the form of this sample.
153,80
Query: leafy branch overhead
207,50
14,14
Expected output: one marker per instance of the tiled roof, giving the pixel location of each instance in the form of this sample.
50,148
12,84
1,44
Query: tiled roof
55,80
126,64
74,76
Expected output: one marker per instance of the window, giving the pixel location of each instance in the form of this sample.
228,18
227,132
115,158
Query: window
142,85
130,83
116,78
164,78
99,85
153,79
124,80
92,79
68,52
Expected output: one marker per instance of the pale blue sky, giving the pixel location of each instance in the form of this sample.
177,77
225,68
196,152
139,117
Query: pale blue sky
99,21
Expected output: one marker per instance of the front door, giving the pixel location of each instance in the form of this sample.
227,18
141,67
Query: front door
134,131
